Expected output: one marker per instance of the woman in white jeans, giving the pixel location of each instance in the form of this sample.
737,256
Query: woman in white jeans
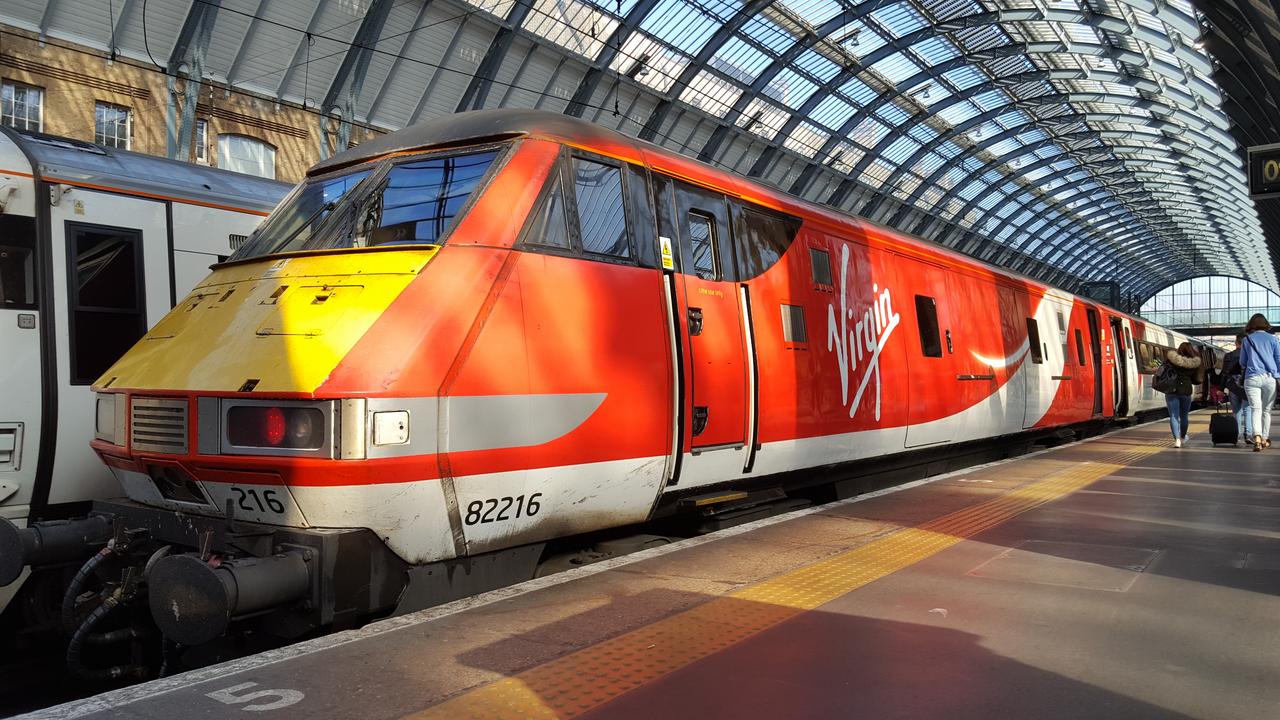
1260,358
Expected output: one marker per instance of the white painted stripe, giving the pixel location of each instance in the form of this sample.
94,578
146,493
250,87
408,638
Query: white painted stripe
126,696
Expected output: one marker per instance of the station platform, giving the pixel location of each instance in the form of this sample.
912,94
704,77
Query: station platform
1112,578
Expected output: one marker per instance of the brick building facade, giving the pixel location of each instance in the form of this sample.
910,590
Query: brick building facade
78,92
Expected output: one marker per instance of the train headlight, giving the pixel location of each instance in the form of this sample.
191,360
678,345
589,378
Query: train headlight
278,427
108,423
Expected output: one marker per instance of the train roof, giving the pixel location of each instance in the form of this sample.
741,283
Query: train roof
78,161
467,127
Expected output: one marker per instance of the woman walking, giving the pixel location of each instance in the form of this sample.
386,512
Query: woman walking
1186,363
1260,358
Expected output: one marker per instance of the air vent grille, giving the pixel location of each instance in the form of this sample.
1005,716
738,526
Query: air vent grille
158,425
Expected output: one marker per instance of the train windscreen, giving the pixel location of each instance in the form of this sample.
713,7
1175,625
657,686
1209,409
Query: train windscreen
408,202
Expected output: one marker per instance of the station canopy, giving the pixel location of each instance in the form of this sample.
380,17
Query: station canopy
1071,140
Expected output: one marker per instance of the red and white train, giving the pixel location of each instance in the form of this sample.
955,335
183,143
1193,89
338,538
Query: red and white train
461,340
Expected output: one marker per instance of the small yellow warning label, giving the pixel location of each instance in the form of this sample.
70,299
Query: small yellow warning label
668,260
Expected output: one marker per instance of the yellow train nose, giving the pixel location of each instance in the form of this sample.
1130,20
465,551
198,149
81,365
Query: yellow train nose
285,323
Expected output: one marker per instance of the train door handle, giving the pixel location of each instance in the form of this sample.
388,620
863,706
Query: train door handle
949,347
975,377
695,321
699,419
1061,377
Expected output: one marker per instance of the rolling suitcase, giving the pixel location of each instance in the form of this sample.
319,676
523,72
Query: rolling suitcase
1223,429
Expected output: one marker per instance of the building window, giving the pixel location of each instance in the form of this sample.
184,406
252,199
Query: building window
113,125
22,106
243,154
201,142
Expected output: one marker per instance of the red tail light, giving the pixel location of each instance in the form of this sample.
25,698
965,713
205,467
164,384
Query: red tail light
275,427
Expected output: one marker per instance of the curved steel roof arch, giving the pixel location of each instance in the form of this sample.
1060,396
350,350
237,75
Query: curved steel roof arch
1143,154
1122,151
876,105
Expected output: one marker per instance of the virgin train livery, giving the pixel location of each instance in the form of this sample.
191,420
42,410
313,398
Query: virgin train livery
461,340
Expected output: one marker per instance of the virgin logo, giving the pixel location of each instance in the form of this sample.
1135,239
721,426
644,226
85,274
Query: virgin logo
862,347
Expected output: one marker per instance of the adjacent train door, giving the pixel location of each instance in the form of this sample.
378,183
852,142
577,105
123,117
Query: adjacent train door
1095,352
20,410
111,277
1120,370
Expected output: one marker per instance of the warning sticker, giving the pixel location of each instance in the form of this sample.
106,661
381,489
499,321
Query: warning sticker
668,260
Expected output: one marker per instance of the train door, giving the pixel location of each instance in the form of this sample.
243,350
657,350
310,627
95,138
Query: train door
110,261
711,309
20,373
931,373
1095,354
1120,369
981,360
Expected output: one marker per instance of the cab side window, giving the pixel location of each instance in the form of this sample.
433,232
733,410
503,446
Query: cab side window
602,217
549,226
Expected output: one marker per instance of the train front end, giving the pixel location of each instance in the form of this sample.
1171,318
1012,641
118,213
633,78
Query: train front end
252,428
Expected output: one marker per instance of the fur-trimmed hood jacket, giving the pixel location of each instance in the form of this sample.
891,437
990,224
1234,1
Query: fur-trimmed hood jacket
1179,360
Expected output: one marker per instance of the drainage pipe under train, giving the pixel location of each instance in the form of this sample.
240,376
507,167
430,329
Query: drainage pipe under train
49,543
193,601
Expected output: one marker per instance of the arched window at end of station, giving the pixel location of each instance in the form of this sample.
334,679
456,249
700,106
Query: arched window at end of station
1214,305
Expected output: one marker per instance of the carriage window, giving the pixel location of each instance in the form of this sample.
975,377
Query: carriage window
927,320
1128,341
706,255
17,262
1080,347
1145,357
106,300
761,238
820,260
548,226
1033,341
601,218
793,329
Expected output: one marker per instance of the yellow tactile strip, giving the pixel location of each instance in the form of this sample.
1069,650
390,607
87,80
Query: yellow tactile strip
582,681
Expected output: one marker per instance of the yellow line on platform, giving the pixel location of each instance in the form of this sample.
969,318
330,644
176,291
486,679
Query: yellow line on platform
582,681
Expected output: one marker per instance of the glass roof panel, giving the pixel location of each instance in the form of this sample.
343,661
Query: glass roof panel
965,77
832,111
815,12
899,150
683,26
899,19
817,65
896,67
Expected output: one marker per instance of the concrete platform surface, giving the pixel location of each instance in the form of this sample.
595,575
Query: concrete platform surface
1114,578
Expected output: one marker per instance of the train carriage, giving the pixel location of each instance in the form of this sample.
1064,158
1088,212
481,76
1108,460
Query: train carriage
461,340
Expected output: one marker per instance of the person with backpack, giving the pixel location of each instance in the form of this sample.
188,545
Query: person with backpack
1233,383
1260,359
1176,380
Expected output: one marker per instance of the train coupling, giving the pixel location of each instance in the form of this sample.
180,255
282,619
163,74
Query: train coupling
194,601
49,543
